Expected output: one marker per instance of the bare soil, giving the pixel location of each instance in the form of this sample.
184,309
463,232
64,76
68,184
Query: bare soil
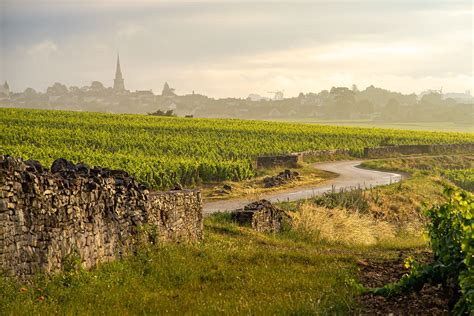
431,300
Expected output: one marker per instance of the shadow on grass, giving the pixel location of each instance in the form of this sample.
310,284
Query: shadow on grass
225,230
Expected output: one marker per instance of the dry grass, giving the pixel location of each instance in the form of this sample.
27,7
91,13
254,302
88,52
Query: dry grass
342,226
253,188
429,164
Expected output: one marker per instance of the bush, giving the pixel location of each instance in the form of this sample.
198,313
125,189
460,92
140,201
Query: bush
162,113
451,232
463,178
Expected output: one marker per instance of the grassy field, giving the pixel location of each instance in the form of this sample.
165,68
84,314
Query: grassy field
310,268
233,271
424,165
163,151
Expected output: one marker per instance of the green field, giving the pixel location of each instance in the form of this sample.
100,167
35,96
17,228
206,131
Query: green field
161,151
415,126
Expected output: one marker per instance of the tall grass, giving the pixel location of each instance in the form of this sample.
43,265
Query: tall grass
341,226
354,200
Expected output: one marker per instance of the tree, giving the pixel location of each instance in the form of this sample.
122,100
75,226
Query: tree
364,106
432,98
162,113
341,103
97,86
30,92
392,110
57,89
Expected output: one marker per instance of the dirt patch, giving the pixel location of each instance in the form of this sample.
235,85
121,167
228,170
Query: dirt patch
431,300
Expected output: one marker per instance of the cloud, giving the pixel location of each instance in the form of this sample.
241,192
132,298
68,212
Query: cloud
42,49
230,48
129,30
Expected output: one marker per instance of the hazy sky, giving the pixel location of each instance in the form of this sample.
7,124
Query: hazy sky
233,48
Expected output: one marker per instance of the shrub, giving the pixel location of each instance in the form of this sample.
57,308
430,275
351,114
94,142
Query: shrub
162,113
451,232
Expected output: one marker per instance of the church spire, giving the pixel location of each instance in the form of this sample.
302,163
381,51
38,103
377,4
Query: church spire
118,71
118,81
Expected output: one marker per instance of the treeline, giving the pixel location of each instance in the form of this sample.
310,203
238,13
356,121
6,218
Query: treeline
338,103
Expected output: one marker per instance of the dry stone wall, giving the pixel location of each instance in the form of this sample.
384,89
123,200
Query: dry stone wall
262,216
292,160
330,154
99,214
392,151
289,161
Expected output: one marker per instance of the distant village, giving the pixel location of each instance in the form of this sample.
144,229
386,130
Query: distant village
372,103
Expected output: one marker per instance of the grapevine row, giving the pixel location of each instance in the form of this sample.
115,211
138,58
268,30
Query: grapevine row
161,151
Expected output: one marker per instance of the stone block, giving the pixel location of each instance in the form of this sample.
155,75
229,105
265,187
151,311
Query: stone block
262,216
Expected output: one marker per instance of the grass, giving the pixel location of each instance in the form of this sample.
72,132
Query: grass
310,268
425,164
341,226
234,271
255,187
438,171
400,203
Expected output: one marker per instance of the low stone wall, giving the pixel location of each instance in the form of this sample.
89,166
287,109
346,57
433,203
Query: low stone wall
292,160
330,154
289,161
262,216
392,151
96,213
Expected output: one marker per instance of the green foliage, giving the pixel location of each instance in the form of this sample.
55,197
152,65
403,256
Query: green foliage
163,151
451,232
452,239
463,178
72,269
162,113
353,200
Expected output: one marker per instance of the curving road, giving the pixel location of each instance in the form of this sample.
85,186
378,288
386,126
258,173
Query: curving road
350,176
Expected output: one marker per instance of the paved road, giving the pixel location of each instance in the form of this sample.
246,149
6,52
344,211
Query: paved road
350,176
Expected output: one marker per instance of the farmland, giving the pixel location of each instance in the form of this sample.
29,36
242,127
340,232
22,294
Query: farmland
312,267
162,151
319,264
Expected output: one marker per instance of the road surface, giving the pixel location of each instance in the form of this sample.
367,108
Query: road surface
350,176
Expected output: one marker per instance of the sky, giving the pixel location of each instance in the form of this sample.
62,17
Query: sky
224,48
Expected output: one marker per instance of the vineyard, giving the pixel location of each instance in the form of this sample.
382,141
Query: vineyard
464,178
451,231
162,151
